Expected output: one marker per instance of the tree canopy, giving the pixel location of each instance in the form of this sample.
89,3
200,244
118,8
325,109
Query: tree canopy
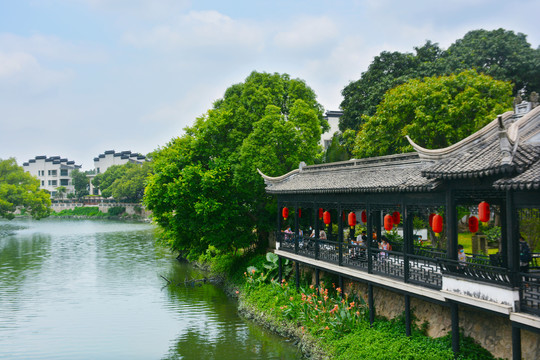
126,182
435,112
205,189
80,183
19,189
502,54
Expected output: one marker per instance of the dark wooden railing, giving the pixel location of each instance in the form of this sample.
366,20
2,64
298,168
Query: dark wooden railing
530,293
476,271
425,267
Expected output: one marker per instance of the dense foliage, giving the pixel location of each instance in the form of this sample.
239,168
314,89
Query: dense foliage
435,112
339,322
206,190
124,182
19,189
80,183
502,54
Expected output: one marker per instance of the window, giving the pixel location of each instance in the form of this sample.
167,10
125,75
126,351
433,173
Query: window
53,182
52,172
63,172
42,182
64,182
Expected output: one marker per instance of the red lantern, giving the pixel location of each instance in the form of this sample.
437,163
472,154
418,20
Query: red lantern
320,213
431,220
343,215
388,222
299,212
483,212
364,216
326,217
352,219
285,213
437,224
473,224
396,217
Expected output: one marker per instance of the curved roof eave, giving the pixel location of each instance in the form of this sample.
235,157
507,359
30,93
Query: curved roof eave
438,154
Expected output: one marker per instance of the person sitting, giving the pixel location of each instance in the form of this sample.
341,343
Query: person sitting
322,235
385,246
462,258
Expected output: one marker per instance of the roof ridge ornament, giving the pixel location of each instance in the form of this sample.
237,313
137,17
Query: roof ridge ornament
505,144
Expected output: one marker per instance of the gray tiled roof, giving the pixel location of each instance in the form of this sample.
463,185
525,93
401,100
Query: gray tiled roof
529,180
483,160
395,173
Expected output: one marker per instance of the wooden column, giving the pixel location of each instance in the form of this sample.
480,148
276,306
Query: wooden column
340,235
370,240
407,315
370,304
407,241
454,313
516,342
504,236
512,236
316,227
451,225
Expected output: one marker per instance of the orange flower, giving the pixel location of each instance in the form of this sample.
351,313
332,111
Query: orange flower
253,271
291,298
238,292
326,328
338,290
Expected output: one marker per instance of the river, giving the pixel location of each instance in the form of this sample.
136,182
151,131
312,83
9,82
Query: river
92,289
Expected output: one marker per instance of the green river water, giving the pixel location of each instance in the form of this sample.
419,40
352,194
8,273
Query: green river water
91,289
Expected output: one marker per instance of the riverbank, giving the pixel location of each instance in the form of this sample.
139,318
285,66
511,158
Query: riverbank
328,323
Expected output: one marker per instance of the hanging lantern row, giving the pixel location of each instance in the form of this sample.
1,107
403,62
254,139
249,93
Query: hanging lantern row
473,224
352,219
388,222
483,212
363,216
285,213
320,213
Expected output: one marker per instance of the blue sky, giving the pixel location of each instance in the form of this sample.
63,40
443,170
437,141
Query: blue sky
78,77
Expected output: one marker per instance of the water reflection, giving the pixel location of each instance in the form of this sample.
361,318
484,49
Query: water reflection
92,289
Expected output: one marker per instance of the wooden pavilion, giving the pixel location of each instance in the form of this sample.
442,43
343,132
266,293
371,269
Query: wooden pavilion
499,164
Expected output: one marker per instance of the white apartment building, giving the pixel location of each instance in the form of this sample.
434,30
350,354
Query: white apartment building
333,120
52,172
110,158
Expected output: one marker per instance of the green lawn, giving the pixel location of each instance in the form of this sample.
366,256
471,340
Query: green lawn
465,239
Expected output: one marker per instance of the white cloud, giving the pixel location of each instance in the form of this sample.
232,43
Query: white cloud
307,32
199,29
23,73
52,48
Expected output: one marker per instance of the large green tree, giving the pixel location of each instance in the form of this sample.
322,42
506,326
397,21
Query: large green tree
387,70
502,54
205,189
435,112
130,186
19,189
